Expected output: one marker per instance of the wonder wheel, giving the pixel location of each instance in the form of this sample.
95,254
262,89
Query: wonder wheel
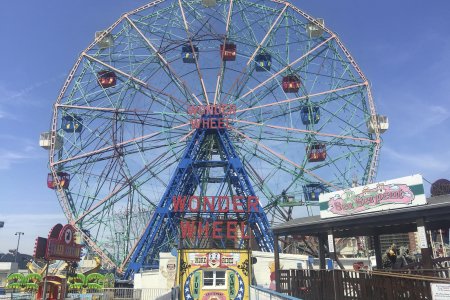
300,114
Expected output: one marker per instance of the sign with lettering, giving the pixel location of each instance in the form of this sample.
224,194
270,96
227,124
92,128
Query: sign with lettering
61,244
214,259
440,291
422,235
396,193
214,116
231,228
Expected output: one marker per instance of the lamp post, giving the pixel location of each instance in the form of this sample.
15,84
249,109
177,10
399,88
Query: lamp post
18,242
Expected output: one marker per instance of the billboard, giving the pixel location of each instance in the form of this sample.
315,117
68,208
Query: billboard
396,193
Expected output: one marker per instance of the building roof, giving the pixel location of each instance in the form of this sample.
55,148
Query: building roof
436,214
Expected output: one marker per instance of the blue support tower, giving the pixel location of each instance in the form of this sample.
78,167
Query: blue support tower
209,153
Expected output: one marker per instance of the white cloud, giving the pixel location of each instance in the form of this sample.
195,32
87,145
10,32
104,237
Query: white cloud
32,225
435,115
19,151
23,96
8,158
418,162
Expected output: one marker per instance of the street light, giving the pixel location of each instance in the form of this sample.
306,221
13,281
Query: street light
18,241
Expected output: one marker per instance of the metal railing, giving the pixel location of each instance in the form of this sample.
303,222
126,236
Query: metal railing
118,294
258,293
353,285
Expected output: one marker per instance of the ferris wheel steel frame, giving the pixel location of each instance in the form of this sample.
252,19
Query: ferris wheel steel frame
65,199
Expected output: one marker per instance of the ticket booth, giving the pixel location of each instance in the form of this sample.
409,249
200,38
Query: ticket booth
56,288
214,274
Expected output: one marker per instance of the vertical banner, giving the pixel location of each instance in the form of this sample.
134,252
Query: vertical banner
422,237
231,285
196,287
330,243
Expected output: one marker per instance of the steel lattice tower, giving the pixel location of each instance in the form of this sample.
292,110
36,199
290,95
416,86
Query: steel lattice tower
207,149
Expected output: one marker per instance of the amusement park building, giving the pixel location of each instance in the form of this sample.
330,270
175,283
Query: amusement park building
432,216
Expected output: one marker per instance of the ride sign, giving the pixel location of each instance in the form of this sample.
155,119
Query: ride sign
61,244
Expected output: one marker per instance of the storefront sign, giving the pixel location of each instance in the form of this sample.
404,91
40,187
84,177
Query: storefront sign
396,193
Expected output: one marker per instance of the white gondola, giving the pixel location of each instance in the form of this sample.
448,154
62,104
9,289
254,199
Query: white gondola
45,141
209,3
313,30
382,122
106,42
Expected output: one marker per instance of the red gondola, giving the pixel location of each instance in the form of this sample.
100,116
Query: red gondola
64,180
316,152
228,53
107,79
291,84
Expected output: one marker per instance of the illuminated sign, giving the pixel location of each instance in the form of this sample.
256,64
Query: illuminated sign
231,229
60,245
215,116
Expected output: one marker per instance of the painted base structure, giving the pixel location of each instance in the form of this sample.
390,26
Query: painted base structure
214,274
263,270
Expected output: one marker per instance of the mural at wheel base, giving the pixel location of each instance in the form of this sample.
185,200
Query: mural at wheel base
214,274
396,193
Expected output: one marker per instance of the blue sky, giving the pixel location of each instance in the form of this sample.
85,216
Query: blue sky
402,47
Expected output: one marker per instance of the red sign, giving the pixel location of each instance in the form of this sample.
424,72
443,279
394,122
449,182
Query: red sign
61,244
211,116
40,247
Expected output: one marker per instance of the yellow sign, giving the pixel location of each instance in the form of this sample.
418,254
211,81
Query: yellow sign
214,274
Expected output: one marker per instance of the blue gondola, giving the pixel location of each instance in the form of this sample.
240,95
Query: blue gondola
312,191
263,61
310,115
72,123
187,55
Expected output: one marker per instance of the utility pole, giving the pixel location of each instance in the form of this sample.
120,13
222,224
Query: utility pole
18,242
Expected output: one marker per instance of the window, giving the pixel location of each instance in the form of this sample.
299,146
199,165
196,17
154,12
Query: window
214,279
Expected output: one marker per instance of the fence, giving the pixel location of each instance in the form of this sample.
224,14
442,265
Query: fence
257,293
174,294
352,285
15,294
120,294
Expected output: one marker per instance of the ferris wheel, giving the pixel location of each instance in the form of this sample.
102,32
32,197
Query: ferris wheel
303,119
